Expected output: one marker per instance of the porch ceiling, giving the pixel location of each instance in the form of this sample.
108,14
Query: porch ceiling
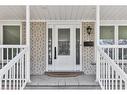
63,12
113,12
12,12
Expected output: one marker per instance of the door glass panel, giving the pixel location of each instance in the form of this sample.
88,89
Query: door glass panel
77,46
106,35
64,41
11,36
50,46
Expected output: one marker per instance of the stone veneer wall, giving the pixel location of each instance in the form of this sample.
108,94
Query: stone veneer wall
38,46
89,66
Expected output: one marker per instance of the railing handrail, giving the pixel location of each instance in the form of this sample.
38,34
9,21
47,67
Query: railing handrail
113,46
122,74
11,63
13,46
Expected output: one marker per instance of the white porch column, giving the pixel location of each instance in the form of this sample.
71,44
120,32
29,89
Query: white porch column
28,41
97,37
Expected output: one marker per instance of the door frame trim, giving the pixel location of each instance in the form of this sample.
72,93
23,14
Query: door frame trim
77,24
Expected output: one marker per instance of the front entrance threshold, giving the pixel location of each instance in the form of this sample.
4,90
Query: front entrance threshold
47,82
63,74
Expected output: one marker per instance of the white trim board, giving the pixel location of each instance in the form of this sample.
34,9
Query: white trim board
113,22
122,22
63,22
40,20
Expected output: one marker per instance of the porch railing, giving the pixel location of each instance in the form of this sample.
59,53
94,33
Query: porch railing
111,76
118,53
13,74
8,52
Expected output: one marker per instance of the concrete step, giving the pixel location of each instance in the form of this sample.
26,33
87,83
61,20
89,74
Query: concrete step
47,82
62,87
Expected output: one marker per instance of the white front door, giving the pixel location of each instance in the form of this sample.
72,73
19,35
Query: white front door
64,43
64,48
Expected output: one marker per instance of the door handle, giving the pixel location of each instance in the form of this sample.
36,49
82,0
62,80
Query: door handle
54,52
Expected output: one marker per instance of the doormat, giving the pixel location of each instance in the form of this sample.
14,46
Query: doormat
63,74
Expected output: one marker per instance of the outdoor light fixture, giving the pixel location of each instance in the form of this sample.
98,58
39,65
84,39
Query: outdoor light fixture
89,29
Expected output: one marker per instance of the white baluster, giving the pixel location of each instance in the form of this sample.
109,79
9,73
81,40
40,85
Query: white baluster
5,85
120,84
9,79
116,55
112,79
7,56
116,78
108,52
20,72
105,72
17,69
12,53
17,75
122,59
100,67
14,77
25,65
126,85
23,69
102,71
108,76
113,54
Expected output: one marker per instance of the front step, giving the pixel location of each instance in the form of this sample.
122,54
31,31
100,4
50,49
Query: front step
83,87
46,82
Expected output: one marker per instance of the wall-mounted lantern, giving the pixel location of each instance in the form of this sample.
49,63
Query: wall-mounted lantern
89,30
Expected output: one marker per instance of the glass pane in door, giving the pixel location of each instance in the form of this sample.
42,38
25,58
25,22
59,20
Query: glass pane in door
50,46
64,41
77,46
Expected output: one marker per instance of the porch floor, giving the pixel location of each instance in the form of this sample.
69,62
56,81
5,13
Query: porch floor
58,82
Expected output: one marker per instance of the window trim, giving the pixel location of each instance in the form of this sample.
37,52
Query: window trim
11,24
116,32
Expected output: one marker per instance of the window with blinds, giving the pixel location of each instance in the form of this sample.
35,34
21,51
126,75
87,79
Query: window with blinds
122,35
106,35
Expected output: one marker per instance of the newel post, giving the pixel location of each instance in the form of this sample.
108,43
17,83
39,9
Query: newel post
28,42
97,37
